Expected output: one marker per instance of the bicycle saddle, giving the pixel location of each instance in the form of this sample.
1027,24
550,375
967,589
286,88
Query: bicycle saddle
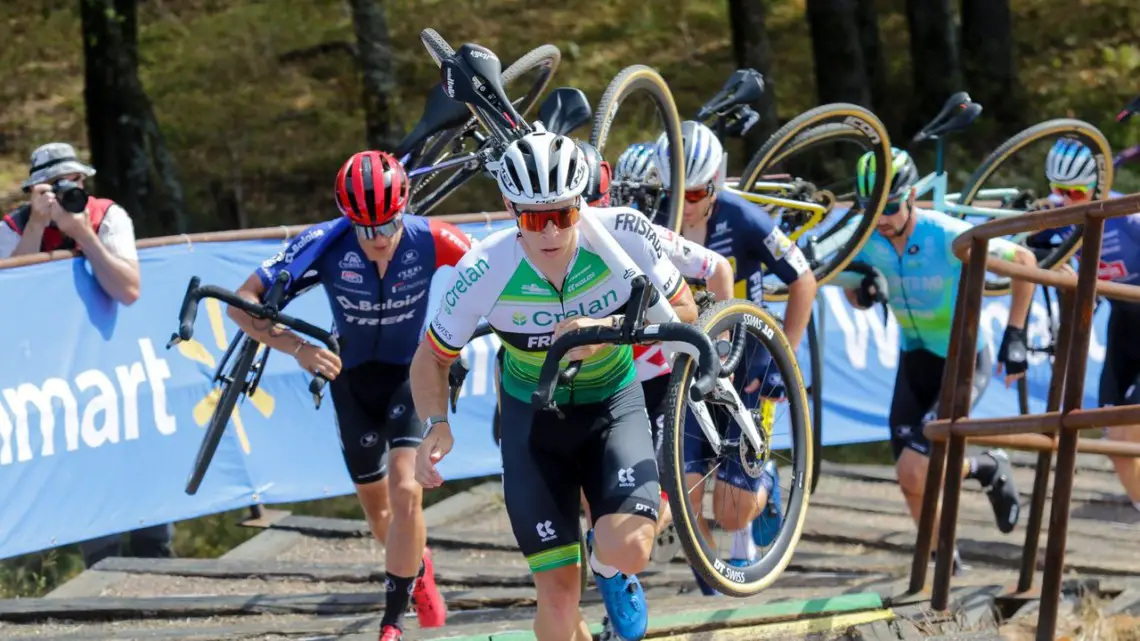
440,113
957,114
744,86
564,110
1130,110
474,75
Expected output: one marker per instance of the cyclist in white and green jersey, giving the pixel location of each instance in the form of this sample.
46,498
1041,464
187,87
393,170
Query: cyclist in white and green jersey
532,285
912,248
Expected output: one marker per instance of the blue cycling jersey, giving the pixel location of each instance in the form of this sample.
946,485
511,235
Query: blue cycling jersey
377,319
1120,250
745,235
923,280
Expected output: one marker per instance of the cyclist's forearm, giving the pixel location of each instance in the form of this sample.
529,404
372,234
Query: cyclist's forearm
801,295
428,376
1021,291
721,282
263,331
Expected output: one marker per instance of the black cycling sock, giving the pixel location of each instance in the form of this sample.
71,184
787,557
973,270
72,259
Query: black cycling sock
399,595
983,468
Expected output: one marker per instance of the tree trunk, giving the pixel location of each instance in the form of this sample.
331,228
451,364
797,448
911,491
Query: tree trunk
374,56
987,59
751,49
135,168
867,24
934,57
840,72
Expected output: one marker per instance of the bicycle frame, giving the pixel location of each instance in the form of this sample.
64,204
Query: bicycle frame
947,203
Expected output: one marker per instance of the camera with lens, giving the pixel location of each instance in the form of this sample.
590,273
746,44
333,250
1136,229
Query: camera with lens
70,196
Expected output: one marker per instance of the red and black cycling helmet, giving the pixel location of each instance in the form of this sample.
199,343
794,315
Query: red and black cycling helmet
597,193
372,190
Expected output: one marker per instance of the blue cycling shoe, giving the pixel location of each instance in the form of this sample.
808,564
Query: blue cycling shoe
767,526
624,599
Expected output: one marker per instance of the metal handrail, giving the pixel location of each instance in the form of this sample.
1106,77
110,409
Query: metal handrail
1062,419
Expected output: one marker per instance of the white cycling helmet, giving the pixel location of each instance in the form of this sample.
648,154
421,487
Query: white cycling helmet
541,167
704,156
633,164
1070,162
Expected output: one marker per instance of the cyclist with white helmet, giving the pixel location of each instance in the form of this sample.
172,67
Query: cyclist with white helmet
633,173
1072,174
912,248
743,233
532,285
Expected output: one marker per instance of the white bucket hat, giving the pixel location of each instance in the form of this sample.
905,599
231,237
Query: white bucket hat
53,160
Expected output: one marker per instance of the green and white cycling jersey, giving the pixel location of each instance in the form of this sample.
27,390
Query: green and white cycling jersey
495,280
922,281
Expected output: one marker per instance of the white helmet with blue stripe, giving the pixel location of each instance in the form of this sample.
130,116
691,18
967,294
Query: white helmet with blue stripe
633,163
704,156
1071,162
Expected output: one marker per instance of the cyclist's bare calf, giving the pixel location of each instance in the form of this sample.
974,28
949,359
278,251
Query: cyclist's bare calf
374,501
733,508
559,617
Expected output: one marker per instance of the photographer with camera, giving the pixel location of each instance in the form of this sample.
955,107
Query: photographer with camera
61,215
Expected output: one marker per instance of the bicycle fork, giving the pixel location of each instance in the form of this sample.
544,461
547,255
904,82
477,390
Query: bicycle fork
725,394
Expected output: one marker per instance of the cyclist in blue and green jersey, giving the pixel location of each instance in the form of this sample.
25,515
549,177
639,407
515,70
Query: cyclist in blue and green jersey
912,248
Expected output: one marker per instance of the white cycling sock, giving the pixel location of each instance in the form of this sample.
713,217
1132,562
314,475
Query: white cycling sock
601,569
743,547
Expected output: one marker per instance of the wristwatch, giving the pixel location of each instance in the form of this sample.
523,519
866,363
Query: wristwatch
431,422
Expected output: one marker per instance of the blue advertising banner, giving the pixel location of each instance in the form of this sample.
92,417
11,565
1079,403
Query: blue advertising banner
100,423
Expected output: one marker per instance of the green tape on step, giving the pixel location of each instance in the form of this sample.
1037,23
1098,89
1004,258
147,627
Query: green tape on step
809,608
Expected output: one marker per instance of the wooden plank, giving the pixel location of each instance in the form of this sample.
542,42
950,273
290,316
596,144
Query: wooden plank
469,574
106,608
457,507
109,608
977,544
269,544
354,528
89,583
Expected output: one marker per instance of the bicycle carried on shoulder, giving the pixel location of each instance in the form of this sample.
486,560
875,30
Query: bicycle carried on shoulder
706,388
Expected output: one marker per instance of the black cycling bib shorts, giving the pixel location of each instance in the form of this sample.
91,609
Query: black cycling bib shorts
918,383
374,412
1120,376
602,449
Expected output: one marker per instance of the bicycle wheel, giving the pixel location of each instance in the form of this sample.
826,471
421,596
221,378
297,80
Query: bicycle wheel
643,83
1013,163
811,161
706,556
815,357
232,386
542,60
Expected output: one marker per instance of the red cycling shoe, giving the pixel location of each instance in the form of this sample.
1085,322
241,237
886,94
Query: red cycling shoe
391,633
430,609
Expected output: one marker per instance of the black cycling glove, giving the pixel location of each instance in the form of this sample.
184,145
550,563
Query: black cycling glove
1014,351
872,289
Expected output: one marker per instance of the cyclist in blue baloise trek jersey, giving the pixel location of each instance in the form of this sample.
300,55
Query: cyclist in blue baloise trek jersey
1071,171
746,236
376,264
912,248
567,266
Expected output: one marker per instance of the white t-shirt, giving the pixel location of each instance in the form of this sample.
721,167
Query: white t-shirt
116,232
